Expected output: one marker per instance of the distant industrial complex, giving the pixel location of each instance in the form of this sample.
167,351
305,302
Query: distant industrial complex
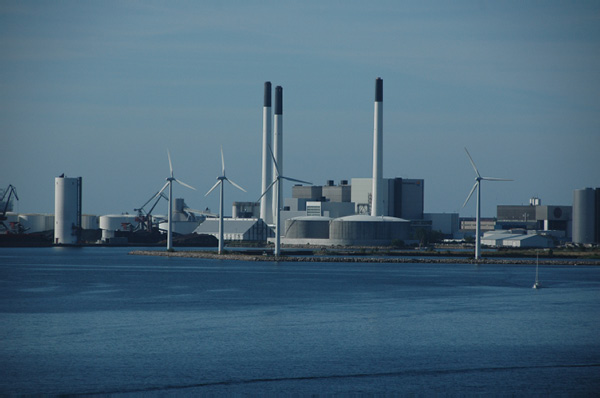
373,211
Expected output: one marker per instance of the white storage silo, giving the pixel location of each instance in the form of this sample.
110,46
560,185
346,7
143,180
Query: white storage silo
584,215
67,210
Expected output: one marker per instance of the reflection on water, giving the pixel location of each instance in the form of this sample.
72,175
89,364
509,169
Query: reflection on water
95,320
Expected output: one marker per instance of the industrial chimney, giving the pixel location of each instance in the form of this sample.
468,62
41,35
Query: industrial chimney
377,193
278,142
266,209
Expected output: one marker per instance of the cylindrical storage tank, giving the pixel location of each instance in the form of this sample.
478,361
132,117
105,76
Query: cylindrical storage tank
310,227
583,215
117,222
368,230
67,210
89,221
33,223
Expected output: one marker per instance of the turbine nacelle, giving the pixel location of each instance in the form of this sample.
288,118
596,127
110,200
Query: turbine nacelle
479,178
278,177
222,177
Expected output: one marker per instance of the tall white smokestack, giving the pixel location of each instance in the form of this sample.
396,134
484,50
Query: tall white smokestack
278,143
377,195
266,202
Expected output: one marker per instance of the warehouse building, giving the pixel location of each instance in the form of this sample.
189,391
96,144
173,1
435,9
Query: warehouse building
237,229
516,239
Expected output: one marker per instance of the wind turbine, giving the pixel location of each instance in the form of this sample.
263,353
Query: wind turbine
477,185
277,181
169,184
220,180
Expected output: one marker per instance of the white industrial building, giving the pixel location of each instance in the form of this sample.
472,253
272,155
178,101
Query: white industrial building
517,239
237,229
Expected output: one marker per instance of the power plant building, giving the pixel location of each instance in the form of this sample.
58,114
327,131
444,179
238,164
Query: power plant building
403,198
536,216
384,206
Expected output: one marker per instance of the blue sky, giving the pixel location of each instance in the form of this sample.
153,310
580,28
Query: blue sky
101,89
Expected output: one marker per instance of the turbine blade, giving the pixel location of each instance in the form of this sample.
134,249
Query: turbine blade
186,185
213,187
470,194
295,180
222,162
472,163
234,184
495,179
274,161
161,190
267,190
170,163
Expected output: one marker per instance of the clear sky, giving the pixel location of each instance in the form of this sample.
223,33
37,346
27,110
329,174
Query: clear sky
101,89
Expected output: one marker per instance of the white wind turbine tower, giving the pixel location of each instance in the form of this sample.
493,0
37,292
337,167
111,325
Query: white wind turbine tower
169,184
477,185
220,180
277,180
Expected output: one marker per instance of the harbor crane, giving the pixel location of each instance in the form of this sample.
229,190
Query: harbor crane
5,199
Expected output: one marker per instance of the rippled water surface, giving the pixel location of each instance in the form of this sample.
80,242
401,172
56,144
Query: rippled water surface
99,321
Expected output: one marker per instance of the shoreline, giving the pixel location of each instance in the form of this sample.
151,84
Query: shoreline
355,259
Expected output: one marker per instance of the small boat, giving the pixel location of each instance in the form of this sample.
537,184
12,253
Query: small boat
537,283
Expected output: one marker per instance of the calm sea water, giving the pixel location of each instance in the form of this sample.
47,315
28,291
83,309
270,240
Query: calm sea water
96,321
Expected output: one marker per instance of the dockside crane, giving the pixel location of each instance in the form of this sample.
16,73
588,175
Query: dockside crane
8,192
145,218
